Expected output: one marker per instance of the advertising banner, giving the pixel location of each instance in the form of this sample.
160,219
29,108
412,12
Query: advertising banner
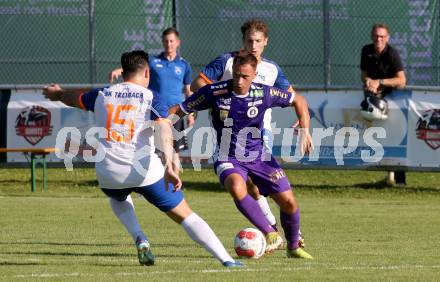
424,130
34,122
409,137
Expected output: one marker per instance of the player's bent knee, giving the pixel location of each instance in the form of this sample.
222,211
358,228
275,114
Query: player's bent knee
286,201
236,186
119,195
252,189
180,212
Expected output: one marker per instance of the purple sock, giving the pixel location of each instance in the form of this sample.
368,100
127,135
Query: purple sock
252,211
290,224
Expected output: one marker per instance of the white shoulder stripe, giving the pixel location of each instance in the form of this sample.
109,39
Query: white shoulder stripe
292,97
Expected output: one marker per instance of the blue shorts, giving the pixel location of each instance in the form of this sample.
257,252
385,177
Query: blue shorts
154,193
267,175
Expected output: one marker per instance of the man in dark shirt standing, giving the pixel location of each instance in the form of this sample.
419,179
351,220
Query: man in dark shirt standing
382,71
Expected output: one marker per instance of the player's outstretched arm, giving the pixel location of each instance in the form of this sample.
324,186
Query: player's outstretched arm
55,93
198,83
114,75
176,110
302,111
164,142
190,119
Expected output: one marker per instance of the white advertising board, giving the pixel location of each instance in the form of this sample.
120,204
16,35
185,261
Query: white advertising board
410,137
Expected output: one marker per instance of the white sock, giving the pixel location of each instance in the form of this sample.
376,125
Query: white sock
125,212
264,205
202,234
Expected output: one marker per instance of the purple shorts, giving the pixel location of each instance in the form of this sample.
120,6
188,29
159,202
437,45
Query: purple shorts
267,175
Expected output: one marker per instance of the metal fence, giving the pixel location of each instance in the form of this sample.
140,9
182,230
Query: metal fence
316,42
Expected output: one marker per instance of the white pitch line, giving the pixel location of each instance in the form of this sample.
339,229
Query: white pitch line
225,270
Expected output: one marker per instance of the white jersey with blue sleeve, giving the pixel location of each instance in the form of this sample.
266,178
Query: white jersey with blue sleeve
124,110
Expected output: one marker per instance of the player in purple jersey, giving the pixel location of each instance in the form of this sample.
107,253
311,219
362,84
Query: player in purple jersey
238,107
255,39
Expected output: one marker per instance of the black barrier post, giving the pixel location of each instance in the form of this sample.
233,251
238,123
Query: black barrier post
92,40
174,14
326,30
5,95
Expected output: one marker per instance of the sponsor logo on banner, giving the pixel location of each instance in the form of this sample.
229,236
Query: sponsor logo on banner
349,118
33,123
428,128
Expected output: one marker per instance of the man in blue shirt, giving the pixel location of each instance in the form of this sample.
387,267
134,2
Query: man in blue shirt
170,83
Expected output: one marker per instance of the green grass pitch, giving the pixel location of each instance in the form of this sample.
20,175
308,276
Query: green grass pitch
355,227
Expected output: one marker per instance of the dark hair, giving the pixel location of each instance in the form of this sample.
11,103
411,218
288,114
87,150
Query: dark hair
379,25
245,58
254,25
134,61
170,30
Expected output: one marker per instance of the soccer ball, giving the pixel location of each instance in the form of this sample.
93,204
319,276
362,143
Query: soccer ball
250,243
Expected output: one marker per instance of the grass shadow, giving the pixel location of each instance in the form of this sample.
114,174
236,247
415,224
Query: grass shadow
67,254
61,244
58,181
380,185
21,263
203,186
374,186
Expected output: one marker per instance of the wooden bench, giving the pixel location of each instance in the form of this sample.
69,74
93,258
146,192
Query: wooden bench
37,155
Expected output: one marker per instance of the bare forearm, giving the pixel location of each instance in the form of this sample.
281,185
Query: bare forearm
197,84
164,140
187,90
364,77
302,111
55,93
176,110
395,82
71,98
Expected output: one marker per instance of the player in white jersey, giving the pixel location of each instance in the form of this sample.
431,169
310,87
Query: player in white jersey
255,39
130,164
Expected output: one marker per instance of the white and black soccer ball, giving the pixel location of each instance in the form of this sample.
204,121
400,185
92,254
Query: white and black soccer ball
250,243
374,108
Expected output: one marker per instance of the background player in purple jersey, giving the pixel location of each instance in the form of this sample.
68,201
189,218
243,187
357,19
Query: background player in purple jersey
125,111
255,39
237,111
